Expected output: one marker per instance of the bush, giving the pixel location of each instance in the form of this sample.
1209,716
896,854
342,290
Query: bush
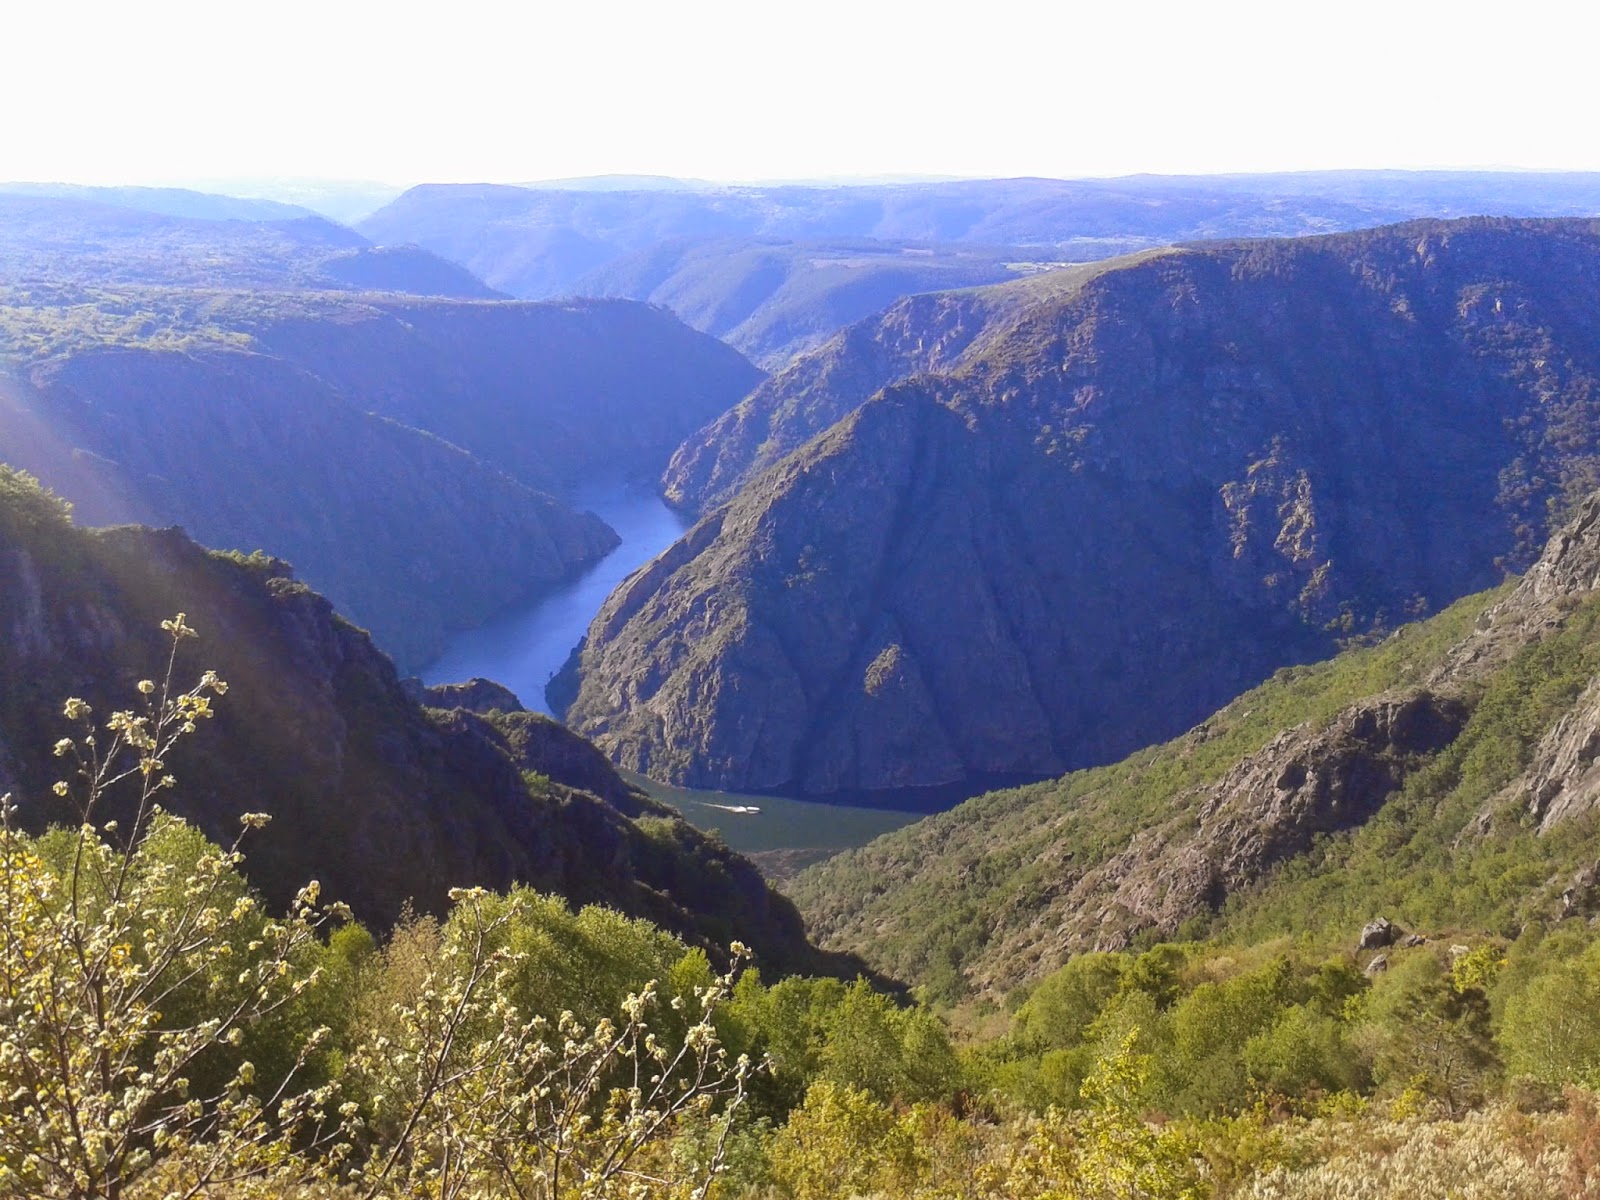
160,1033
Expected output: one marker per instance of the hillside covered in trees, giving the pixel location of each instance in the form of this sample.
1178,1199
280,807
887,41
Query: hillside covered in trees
388,802
401,452
276,921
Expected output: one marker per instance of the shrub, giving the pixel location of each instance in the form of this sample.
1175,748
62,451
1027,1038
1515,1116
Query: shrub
159,1031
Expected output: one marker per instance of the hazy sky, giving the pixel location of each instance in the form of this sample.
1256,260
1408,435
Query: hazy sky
459,90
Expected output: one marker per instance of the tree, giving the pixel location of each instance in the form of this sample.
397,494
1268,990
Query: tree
99,1053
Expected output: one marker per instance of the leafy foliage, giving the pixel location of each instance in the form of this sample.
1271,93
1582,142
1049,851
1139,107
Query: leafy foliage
154,1020
1413,860
26,504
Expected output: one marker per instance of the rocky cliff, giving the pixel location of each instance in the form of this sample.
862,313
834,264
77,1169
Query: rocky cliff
1140,495
381,799
920,334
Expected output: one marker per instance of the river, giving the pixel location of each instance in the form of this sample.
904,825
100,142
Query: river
524,647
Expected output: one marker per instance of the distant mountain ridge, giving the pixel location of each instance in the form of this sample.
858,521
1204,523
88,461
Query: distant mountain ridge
167,201
168,237
539,242
771,298
1147,491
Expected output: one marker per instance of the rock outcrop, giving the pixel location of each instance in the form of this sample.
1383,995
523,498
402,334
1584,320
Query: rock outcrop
937,332
1376,934
1265,811
482,696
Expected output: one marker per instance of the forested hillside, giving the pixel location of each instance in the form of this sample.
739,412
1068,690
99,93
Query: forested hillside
398,451
1439,779
1403,1057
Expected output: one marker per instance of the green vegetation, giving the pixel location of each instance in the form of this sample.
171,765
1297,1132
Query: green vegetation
40,320
163,1033
1415,860
382,800
27,505
38,326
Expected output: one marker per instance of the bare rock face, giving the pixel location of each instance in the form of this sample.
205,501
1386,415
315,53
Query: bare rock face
1563,777
936,332
1563,780
1567,570
1580,897
1266,810
1107,512
1377,934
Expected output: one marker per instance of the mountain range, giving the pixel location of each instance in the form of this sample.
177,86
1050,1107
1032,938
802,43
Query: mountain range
772,298
998,513
1122,496
112,237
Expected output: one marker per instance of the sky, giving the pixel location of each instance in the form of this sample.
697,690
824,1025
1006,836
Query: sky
169,91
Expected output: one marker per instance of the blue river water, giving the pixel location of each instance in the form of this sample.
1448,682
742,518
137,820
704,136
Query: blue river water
524,647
